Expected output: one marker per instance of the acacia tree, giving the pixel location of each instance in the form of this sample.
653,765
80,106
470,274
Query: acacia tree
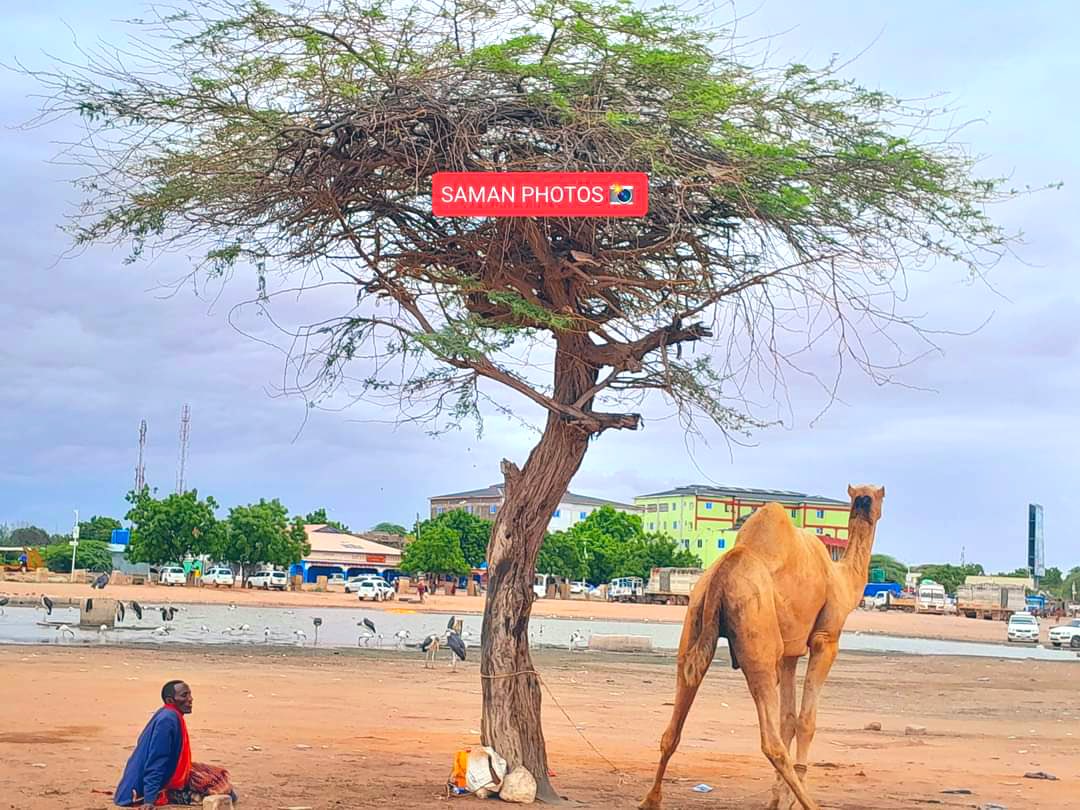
300,140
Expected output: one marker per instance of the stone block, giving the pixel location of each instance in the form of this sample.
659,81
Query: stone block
518,787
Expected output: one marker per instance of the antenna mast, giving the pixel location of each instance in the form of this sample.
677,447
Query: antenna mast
185,433
140,469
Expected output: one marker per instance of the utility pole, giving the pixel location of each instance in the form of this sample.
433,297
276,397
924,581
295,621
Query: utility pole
140,470
74,544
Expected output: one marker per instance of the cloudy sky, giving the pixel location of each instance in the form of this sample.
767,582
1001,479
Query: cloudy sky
89,346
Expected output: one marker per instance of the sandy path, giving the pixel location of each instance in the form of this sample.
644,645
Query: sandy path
371,730
952,628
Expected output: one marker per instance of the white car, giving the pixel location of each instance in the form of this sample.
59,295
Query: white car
172,575
219,577
268,579
370,587
1066,635
1023,627
335,579
579,587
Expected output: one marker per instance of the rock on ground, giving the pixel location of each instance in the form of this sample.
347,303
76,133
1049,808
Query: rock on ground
518,787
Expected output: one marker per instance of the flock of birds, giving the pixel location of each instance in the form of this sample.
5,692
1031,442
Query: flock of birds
455,637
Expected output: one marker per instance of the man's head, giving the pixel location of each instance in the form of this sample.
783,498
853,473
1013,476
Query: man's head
178,694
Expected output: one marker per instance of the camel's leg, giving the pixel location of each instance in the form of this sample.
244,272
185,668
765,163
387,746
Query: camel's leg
822,655
686,688
788,666
763,688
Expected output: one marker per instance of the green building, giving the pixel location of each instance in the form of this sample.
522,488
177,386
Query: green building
705,519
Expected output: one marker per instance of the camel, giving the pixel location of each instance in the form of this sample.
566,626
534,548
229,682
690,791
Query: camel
776,595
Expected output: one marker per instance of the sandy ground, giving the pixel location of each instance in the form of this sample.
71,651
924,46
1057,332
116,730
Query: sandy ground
952,628
363,729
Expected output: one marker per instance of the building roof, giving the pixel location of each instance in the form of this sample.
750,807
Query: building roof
324,538
497,491
745,493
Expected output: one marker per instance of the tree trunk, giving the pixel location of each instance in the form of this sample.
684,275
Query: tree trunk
511,721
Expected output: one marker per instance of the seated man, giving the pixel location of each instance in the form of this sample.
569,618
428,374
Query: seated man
160,770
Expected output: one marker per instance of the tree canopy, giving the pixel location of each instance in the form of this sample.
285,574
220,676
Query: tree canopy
894,570
473,533
261,533
98,528
29,536
91,555
951,576
436,551
169,529
390,528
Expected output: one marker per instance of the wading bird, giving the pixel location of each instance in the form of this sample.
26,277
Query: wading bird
401,636
47,604
3,603
138,610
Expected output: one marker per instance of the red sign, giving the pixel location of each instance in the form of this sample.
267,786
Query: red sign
376,558
540,194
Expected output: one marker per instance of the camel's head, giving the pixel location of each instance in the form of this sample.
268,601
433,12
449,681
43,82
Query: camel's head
866,501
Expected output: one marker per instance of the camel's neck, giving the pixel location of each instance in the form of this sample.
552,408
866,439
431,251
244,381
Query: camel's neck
856,561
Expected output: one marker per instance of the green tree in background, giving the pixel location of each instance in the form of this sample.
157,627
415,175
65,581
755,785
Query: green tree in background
167,530
30,536
260,533
436,551
895,571
92,555
1052,580
319,516
390,528
98,528
951,576
562,555
474,533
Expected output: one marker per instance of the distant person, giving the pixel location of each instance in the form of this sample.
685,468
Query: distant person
421,589
23,561
160,770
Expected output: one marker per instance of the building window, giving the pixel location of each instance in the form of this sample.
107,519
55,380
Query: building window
673,507
651,507
708,504
821,513
674,524
686,543
720,543
794,512
699,544
819,531
663,507
581,515
727,507
439,510
558,512
652,526
493,509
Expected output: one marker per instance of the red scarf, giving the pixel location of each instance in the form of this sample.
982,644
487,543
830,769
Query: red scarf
182,773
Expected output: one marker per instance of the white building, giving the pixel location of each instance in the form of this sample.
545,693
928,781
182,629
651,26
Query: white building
486,503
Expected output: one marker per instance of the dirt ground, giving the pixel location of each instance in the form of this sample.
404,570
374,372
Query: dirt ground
952,628
367,729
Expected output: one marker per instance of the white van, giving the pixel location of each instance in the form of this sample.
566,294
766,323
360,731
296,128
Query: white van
930,598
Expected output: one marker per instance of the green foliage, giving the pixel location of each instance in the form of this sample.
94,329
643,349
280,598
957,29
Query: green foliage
562,555
170,529
390,528
951,576
609,544
1070,586
436,551
473,533
29,536
1019,572
260,533
895,571
1052,580
319,516
98,528
92,555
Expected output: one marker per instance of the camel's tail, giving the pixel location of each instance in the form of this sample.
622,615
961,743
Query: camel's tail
702,629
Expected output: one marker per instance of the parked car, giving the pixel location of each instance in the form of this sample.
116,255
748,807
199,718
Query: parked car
219,577
268,579
384,588
370,589
335,579
1066,635
579,587
172,575
1023,627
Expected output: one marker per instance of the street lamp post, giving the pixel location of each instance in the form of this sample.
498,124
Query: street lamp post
74,544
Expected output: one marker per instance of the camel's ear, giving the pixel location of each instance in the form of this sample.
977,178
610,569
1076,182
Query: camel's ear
850,491
881,493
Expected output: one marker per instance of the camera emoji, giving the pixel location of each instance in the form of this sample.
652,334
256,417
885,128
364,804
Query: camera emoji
621,195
